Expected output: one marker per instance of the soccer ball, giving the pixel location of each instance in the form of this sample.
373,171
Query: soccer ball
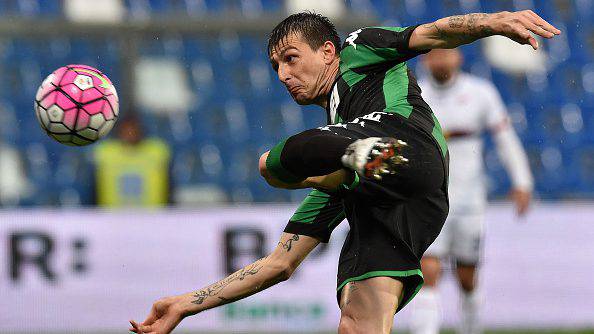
76,105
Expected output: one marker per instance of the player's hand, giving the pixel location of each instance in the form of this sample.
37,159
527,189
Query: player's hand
519,25
165,314
332,181
522,200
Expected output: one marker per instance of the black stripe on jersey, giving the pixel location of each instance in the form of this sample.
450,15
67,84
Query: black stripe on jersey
421,114
379,37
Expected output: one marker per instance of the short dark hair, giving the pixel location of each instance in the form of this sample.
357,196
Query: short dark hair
314,28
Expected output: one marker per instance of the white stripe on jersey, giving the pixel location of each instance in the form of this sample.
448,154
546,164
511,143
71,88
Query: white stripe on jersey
334,102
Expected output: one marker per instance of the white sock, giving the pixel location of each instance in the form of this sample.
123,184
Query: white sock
426,313
470,305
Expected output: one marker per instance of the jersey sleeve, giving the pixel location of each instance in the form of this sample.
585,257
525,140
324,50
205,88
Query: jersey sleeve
317,216
495,112
377,45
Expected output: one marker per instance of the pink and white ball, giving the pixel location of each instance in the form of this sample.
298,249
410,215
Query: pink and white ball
77,105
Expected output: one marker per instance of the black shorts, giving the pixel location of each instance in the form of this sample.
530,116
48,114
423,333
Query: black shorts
393,221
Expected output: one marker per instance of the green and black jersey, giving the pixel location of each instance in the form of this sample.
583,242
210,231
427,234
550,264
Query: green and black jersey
317,216
374,77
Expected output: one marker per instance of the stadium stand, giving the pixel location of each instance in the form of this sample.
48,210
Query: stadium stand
240,110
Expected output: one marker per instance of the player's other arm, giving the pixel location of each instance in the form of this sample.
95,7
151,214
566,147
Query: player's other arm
453,31
168,312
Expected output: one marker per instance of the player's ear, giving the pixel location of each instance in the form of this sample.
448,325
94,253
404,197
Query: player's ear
330,52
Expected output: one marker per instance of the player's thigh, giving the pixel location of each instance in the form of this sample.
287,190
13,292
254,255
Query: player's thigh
467,238
368,306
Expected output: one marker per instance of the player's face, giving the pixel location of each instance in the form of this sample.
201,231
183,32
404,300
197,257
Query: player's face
300,69
443,63
130,132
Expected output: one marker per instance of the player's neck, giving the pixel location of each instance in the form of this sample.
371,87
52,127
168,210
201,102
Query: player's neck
326,83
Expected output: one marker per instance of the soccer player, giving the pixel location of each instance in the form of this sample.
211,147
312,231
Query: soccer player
381,161
466,106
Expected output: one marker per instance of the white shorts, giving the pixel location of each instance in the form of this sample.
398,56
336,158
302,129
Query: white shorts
460,239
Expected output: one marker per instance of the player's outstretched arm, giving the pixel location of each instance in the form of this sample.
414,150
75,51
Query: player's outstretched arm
168,312
453,31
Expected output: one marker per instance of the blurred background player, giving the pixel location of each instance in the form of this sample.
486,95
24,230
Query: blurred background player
466,106
132,170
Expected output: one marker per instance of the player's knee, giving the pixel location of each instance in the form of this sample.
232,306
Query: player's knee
431,268
262,165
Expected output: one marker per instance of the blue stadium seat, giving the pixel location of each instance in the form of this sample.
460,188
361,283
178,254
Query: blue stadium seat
241,164
213,5
138,9
585,157
239,193
50,8
272,6
187,166
159,6
496,6
584,13
10,124
262,192
152,47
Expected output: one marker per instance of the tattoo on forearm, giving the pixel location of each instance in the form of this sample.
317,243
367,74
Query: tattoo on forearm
289,243
456,21
216,288
433,25
476,25
464,28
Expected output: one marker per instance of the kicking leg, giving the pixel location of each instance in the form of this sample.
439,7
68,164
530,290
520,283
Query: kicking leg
368,306
330,182
319,152
310,153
